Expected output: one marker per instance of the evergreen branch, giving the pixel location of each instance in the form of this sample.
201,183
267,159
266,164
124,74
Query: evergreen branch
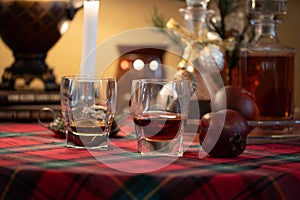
157,19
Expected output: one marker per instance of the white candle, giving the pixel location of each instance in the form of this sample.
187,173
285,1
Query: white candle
90,28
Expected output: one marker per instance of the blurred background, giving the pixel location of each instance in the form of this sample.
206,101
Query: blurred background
117,16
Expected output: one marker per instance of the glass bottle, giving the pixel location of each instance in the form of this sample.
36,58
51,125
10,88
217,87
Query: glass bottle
202,58
267,65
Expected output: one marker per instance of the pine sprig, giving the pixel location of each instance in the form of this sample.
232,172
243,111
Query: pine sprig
225,8
158,20
228,6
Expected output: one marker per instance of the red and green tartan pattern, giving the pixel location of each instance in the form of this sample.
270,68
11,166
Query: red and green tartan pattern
36,165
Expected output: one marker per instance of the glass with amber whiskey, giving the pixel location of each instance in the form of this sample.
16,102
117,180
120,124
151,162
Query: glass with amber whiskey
159,110
89,111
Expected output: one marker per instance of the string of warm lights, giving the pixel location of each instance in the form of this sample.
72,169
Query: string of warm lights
139,64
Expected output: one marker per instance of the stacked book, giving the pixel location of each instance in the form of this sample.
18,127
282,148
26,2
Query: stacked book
25,105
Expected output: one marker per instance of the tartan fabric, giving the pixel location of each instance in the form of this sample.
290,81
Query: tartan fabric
36,165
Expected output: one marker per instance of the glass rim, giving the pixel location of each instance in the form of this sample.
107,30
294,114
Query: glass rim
158,80
267,6
94,78
268,1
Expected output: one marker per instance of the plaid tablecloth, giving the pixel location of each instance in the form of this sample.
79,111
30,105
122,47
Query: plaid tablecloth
34,164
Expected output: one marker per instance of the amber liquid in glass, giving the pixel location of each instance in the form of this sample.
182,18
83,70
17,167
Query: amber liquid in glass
270,79
87,133
159,127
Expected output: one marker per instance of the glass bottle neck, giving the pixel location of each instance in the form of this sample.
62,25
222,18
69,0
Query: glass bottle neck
195,21
265,32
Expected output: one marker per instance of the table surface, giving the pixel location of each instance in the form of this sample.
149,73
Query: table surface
35,164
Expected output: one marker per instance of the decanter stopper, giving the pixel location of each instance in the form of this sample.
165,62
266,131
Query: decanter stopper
197,3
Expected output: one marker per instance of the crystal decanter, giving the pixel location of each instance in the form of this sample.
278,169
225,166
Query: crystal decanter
267,65
202,58
266,69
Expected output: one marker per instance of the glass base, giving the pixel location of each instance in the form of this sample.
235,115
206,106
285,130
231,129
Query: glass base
274,131
87,141
260,135
149,147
